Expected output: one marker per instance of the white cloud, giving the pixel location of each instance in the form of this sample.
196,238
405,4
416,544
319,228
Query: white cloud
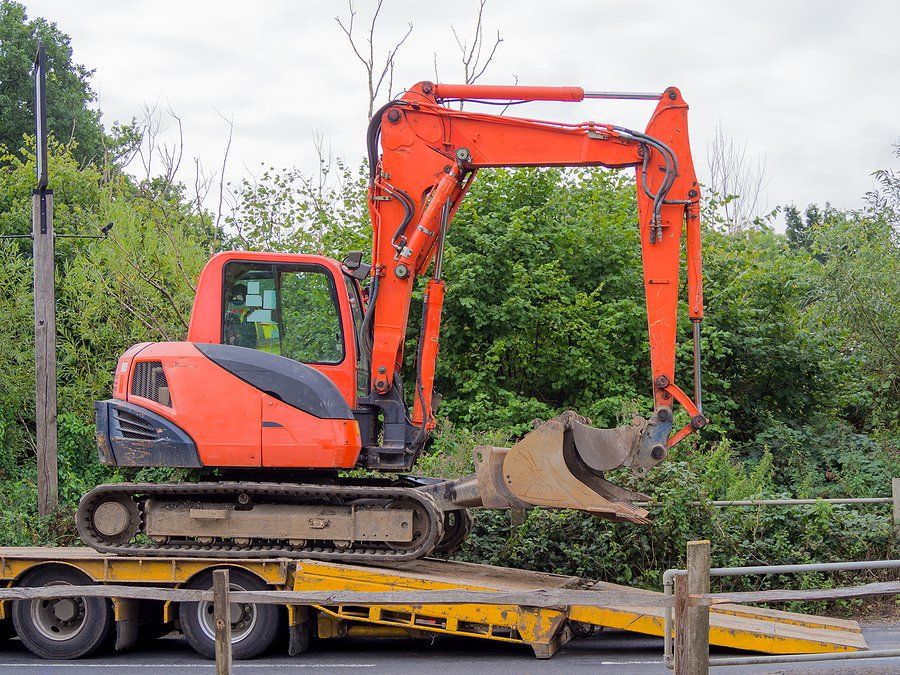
813,86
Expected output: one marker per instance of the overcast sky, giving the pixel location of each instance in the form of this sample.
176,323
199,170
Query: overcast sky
810,86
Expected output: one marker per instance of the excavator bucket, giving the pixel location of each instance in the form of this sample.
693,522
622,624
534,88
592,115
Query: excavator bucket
561,465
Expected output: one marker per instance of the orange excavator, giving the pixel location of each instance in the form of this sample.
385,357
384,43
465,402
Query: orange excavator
291,372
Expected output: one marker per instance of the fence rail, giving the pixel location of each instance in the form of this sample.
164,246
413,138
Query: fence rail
688,650
547,598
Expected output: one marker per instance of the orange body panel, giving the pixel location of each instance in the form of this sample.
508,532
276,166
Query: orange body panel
304,440
226,417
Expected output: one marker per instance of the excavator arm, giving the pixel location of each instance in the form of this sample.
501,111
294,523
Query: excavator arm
430,155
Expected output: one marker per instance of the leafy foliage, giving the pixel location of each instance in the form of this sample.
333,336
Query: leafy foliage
71,112
287,210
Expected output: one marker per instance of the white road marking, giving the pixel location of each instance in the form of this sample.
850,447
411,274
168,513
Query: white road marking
211,666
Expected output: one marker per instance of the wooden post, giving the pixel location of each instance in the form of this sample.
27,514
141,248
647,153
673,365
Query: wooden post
223,622
45,349
895,492
691,621
681,626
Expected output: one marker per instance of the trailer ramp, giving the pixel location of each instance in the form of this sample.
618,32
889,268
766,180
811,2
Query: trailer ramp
546,630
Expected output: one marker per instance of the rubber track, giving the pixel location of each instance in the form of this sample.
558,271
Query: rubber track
271,492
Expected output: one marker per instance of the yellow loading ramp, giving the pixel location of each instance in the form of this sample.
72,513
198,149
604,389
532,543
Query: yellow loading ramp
545,630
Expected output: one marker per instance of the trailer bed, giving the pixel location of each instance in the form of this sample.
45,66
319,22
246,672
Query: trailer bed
543,629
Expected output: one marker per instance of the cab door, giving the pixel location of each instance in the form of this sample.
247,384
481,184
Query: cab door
299,310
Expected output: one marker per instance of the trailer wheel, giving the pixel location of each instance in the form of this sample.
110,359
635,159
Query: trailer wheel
63,628
253,627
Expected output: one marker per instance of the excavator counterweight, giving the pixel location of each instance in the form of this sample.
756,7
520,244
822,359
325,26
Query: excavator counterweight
289,375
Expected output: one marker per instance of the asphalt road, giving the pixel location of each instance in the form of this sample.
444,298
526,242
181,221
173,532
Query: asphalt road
609,652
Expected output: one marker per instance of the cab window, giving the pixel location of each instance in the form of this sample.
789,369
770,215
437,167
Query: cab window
290,310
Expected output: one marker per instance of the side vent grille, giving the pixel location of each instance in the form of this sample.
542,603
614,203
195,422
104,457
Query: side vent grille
149,381
133,427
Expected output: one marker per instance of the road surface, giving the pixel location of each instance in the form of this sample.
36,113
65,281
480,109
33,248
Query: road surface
608,652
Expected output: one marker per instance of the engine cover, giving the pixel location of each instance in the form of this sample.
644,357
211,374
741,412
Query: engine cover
239,407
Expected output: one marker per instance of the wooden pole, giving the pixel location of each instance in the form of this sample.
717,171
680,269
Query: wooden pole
895,492
223,622
45,349
692,621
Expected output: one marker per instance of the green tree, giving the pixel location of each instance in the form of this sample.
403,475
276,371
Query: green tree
796,228
135,286
289,210
859,297
71,113
536,317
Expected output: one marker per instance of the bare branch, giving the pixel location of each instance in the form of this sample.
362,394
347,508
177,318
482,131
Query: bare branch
172,155
515,82
151,124
376,76
471,52
348,31
230,124
487,62
737,181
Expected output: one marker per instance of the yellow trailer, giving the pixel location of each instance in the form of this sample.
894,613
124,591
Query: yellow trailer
68,628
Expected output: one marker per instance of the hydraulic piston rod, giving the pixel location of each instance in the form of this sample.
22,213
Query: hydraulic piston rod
523,93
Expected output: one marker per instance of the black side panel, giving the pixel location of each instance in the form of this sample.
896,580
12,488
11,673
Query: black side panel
295,383
129,435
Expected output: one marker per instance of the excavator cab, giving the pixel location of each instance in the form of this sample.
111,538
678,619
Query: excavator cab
268,377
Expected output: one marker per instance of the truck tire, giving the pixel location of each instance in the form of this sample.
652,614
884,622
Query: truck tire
253,627
64,628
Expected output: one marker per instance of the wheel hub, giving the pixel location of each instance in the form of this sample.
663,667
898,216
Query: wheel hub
242,617
58,619
66,609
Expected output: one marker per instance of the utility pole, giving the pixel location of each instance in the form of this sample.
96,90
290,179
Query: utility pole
44,303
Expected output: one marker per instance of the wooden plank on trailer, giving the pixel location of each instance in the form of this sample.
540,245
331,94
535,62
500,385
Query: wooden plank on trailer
781,616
